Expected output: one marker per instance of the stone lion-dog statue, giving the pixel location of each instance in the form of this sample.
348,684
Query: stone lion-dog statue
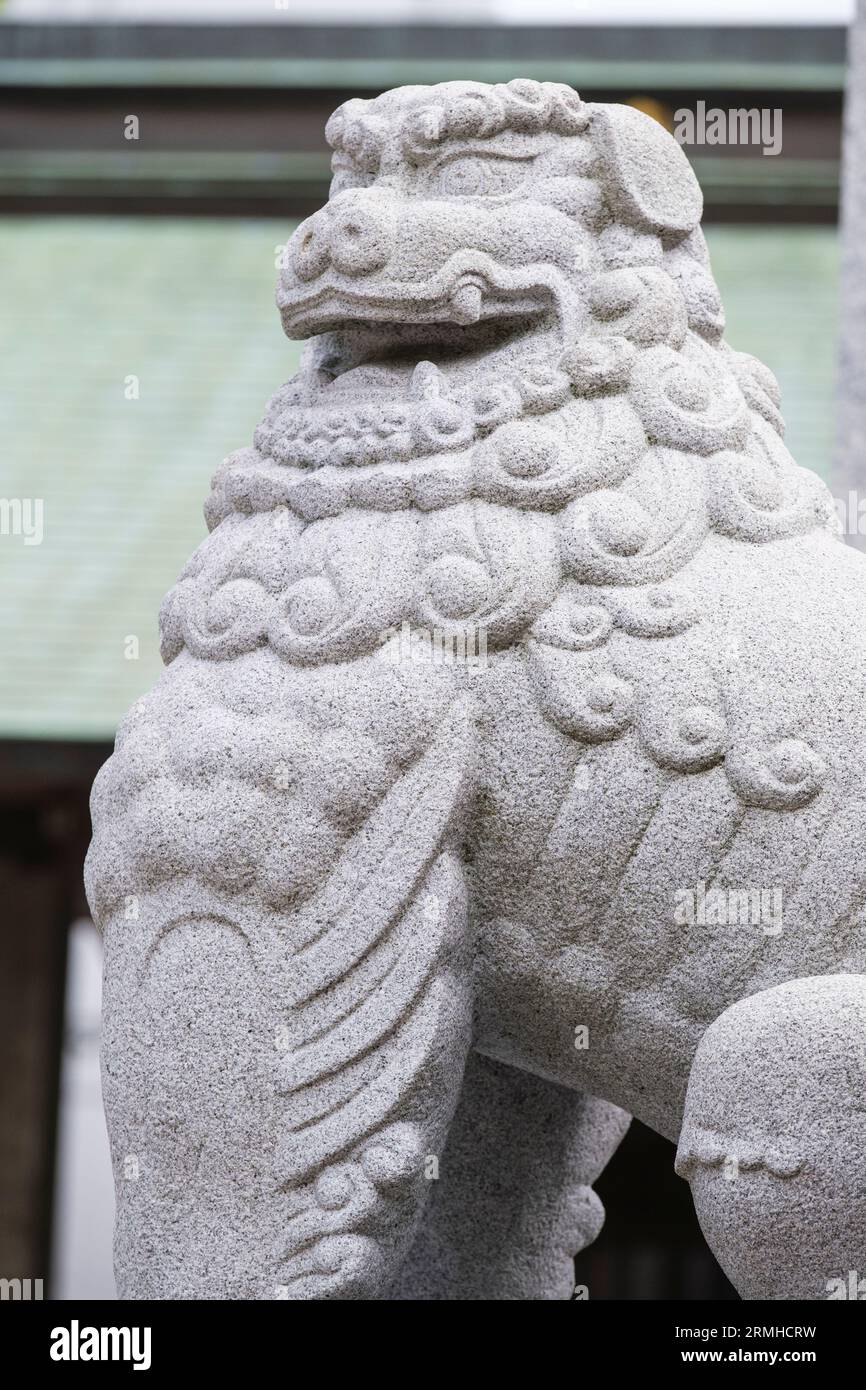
506,776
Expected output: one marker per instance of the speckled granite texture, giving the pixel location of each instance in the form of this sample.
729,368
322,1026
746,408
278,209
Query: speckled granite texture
509,754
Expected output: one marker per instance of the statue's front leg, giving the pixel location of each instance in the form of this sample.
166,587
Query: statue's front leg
513,1203
279,1083
774,1135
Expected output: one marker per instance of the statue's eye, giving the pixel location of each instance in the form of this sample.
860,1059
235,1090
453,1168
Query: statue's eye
476,175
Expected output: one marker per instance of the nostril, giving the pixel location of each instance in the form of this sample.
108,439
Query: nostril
309,251
359,243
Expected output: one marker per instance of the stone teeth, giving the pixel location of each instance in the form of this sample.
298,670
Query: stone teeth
466,303
427,382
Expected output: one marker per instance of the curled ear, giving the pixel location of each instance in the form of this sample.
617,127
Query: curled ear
647,179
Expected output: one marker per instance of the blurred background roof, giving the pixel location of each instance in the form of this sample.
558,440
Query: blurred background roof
232,116
231,101
186,307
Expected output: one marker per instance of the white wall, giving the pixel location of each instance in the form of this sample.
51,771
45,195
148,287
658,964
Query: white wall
445,11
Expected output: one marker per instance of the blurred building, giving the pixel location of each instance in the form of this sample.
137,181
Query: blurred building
232,115
141,344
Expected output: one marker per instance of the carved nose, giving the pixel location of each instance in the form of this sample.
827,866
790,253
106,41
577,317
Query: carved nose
359,238
309,247
353,238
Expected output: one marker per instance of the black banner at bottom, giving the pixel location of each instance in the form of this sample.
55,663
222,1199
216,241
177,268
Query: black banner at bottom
167,1339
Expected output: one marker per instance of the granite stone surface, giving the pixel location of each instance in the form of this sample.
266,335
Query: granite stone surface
505,778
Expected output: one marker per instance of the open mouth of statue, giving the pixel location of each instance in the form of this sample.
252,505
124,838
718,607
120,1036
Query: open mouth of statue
370,345
396,372
366,360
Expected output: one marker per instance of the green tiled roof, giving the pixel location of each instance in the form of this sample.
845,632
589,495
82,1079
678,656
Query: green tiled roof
186,306
779,287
